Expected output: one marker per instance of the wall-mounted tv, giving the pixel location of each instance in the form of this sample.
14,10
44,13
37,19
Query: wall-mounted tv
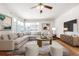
70,25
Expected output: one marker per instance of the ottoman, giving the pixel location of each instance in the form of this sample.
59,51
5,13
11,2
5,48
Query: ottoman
31,49
56,49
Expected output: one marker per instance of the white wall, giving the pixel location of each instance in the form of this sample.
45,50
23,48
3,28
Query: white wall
70,15
4,11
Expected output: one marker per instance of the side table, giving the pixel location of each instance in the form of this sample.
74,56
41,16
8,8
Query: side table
54,37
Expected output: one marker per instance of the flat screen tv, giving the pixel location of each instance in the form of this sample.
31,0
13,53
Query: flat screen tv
69,25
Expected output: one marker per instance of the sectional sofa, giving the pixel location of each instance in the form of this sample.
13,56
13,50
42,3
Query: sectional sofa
20,41
13,41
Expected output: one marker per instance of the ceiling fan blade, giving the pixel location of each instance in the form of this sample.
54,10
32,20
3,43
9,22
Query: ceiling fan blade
34,7
49,7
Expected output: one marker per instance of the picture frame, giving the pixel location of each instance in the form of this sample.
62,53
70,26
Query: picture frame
46,26
5,22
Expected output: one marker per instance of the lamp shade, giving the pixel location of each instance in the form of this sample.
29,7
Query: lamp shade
53,28
65,29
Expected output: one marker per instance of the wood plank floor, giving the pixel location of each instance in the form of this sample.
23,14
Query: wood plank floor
73,51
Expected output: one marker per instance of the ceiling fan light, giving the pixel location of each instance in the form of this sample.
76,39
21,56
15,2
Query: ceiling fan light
40,7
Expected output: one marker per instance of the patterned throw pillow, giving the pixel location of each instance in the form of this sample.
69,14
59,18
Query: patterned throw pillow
20,34
1,37
4,37
13,36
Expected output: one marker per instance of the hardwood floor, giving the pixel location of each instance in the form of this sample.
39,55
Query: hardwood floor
73,51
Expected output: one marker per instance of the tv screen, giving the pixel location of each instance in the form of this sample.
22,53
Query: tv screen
69,24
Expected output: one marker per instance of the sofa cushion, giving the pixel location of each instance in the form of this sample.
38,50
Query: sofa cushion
20,34
19,42
13,36
21,39
5,37
27,33
1,37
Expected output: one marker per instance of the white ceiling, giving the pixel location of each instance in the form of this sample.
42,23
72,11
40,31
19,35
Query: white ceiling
23,10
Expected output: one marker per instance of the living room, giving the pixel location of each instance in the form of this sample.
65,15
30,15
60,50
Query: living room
39,29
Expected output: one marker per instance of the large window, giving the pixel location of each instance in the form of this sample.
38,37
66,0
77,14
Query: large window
21,26
32,26
17,25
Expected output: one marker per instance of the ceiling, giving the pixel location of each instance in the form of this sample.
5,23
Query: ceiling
24,10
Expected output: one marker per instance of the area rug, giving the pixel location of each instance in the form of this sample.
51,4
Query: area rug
44,50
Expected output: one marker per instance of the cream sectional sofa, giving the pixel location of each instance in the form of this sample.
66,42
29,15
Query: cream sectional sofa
13,41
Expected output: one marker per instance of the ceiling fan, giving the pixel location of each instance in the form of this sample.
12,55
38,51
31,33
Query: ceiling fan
41,6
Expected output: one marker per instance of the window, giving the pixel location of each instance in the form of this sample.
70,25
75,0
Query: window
14,23
20,26
32,26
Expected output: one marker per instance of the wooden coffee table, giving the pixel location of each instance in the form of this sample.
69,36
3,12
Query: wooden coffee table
39,41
